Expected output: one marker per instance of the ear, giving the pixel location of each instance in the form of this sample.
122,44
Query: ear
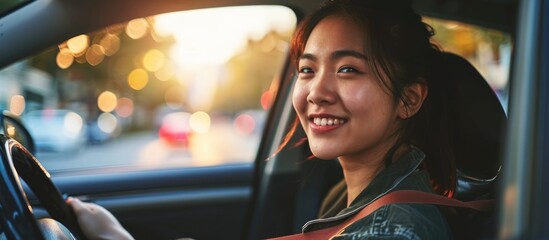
415,95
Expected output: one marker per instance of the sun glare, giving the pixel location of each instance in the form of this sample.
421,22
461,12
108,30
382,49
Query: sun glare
223,32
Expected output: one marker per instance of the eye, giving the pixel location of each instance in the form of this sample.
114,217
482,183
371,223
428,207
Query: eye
348,70
305,70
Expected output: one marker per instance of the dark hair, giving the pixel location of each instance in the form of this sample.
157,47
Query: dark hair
400,52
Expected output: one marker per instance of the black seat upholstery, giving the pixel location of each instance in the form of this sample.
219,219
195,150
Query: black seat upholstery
478,127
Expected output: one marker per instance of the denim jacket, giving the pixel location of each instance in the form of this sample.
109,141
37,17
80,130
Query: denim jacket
392,221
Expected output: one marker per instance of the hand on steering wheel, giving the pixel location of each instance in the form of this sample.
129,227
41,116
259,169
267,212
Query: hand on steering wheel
97,222
17,217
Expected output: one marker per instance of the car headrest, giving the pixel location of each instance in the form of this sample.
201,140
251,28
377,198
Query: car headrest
478,128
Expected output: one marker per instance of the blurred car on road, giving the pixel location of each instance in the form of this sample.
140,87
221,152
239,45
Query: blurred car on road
95,134
175,128
56,130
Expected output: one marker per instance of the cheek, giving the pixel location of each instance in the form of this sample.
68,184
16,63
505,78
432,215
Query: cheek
299,98
354,97
299,101
366,98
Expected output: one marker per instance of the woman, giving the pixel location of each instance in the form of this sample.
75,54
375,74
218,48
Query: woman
364,94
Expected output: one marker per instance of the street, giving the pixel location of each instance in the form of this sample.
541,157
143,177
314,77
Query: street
146,150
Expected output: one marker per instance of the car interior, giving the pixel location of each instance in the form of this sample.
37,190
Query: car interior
277,190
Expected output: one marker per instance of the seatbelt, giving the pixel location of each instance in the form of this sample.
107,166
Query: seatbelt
399,196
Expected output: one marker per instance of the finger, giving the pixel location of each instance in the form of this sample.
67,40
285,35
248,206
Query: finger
77,205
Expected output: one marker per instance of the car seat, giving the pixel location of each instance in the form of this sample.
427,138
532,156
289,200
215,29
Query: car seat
478,130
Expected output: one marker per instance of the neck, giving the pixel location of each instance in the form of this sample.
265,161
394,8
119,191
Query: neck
359,172
358,177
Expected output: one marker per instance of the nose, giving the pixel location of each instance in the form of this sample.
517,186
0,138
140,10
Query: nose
322,90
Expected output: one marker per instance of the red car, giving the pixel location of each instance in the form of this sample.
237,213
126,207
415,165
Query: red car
175,128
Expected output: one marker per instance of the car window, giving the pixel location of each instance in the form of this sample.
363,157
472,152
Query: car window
185,89
489,50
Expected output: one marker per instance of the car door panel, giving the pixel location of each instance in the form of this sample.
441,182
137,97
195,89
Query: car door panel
201,203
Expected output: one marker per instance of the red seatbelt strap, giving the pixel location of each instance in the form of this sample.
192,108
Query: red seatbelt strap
400,196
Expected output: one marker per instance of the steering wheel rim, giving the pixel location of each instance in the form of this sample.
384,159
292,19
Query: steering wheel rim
17,217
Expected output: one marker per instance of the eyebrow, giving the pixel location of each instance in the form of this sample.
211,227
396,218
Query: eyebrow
348,53
308,56
336,55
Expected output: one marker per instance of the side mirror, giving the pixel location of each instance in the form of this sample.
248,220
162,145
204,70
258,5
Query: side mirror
13,127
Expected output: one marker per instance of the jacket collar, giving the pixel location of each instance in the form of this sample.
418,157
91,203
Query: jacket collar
386,181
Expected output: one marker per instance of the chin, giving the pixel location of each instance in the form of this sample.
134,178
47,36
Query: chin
324,155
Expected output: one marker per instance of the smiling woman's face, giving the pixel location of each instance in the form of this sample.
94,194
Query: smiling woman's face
342,106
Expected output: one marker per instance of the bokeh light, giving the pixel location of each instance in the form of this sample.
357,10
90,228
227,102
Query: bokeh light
95,54
166,72
137,28
78,45
73,122
153,60
124,108
17,104
200,122
111,44
80,59
107,101
107,122
138,79
244,124
267,99
64,58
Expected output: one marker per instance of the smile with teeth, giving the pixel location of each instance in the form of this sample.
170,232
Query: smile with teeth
328,121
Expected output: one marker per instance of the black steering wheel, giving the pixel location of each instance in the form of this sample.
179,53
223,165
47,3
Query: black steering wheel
18,221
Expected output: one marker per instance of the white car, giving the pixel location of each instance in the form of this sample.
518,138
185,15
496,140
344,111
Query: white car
56,130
